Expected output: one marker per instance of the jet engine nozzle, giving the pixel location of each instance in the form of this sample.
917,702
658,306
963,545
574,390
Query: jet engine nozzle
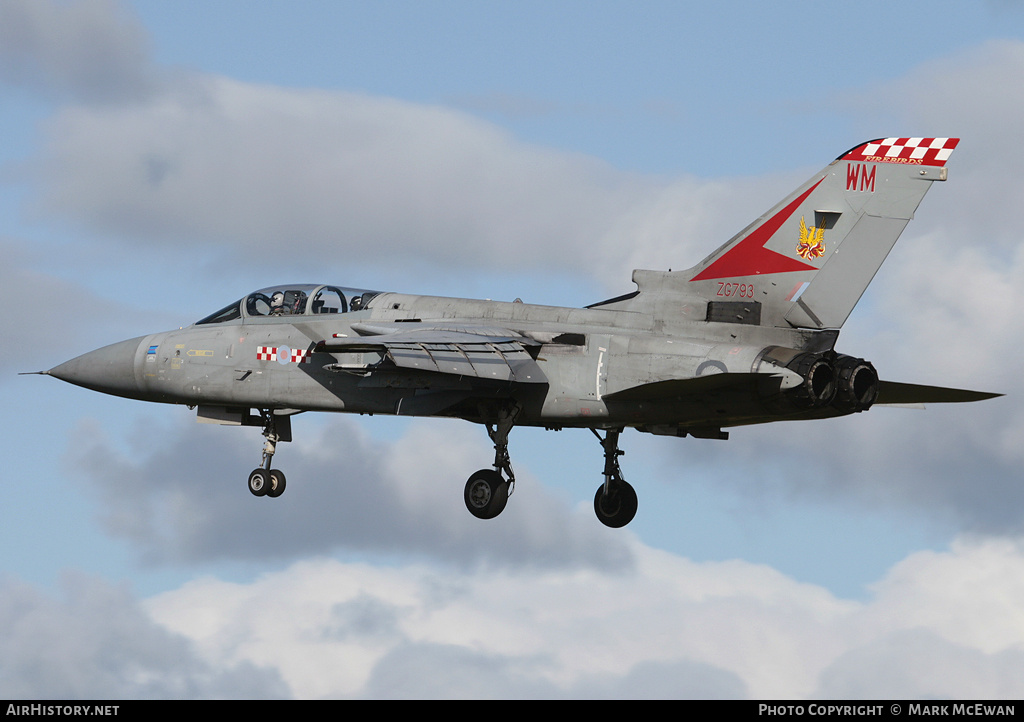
818,372
857,383
819,386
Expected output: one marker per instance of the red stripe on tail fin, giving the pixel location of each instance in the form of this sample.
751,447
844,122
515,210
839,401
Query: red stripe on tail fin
749,257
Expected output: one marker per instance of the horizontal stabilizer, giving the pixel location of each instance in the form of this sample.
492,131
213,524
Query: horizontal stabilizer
890,392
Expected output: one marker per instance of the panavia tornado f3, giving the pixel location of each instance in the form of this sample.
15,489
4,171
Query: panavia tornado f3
747,336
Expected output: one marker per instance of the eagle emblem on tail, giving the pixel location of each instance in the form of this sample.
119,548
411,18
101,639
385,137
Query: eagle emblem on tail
812,241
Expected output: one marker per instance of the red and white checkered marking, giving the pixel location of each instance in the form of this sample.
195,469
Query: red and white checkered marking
271,353
912,151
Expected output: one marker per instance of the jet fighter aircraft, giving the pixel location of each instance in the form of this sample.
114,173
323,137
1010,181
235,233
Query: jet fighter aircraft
747,336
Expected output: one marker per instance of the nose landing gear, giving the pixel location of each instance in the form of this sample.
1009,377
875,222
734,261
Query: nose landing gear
265,481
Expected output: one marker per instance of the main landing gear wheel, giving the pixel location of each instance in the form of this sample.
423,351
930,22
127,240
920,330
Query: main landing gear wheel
486,494
615,502
617,507
487,490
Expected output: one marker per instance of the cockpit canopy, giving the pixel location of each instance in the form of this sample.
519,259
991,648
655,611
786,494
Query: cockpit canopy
295,299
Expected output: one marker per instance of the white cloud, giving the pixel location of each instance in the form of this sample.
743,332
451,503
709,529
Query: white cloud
335,629
96,642
942,624
939,624
339,176
91,50
229,170
916,664
969,595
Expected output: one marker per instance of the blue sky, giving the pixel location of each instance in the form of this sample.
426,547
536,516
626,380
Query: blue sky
161,159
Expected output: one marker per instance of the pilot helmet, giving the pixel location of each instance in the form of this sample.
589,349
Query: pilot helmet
277,300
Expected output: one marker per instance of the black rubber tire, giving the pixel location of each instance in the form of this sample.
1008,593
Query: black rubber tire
618,507
277,483
259,482
486,494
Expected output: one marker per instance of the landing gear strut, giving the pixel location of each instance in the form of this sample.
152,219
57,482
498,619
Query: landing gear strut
615,502
265,481
487,490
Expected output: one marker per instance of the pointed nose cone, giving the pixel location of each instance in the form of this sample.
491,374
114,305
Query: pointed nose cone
110,369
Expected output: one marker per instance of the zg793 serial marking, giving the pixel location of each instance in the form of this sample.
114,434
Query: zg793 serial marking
743,290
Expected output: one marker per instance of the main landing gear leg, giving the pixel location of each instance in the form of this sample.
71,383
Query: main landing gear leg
615,502
265,481
487,490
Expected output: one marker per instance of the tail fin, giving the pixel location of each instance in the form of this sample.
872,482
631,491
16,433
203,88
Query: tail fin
810,258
